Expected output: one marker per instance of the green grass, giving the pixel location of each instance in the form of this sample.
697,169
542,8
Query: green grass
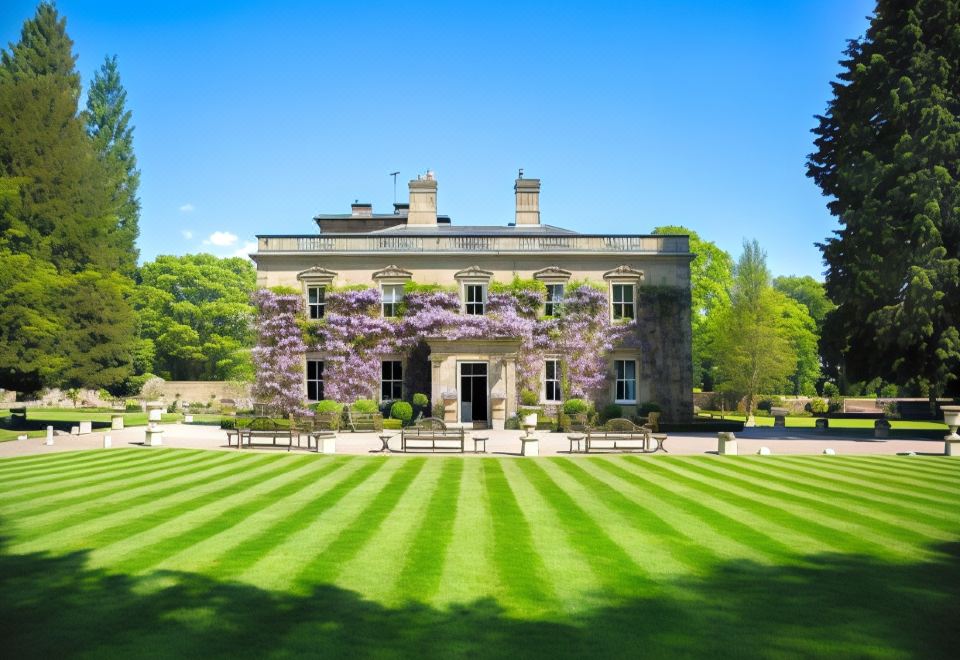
810,422
165,553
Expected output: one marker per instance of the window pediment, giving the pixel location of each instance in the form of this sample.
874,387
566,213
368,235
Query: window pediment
474,273
624,274
553,274
392,272
317,275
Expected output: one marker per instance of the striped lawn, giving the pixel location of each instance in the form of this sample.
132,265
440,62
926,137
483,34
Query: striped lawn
153,553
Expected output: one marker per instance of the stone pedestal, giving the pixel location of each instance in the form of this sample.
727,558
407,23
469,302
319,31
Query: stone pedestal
85,428
498,412
154,438
49,440
726,443
881,429
530,446
822,424
107,442
116,422
450,410
951,448
779,421
327,445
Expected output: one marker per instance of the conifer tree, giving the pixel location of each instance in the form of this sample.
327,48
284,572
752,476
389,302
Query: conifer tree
108,124
888,156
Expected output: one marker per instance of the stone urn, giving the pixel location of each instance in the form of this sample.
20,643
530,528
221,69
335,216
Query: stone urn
951,417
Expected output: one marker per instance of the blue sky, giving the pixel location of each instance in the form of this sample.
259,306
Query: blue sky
251,117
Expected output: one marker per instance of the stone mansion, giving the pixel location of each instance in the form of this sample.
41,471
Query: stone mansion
477,377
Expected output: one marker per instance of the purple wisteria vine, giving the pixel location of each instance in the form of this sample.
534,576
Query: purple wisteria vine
354,338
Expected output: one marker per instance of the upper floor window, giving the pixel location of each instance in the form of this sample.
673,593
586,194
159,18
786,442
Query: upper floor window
623,304
392,297
551,381
554,300
475,298
316,301
391,380
626,384
314,380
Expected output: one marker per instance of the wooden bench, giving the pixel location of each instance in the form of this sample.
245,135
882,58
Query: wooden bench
264,427
364,421
619,435
433,434
312,428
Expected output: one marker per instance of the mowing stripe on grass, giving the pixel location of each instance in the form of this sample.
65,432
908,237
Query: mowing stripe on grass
130,547
469,567
778,487
658,534
616,569
64,505
935,466
70,460
325,566
421,572
128,461
779,506
264,543
261,533
906,469
229,516
730,530
94,531
918,484
886,505
374,569
53,497
518,565
864,484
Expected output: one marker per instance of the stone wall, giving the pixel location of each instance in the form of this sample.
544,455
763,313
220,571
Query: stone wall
666,354
202,391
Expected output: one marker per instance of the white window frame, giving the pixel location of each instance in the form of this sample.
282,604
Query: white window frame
317,381
556,380
617,380
320,305
553,306
632,302
394,382
394,301
482,302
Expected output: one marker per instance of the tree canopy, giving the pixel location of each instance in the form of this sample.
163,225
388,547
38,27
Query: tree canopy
888,157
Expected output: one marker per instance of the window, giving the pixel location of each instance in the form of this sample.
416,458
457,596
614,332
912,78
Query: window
475,298
551,382
314,380
316,301
623,305
554,299
391,381
392,296
626,381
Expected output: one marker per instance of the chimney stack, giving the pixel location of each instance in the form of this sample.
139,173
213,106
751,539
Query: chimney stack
423,201
361,210
528,201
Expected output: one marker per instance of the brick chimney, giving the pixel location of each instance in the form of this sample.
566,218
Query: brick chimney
528,201
361,210
423,201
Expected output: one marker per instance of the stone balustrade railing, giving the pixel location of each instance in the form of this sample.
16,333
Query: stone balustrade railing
474,243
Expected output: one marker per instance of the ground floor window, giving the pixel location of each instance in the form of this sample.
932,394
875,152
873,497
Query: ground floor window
391,380
551,381
314,380
626,381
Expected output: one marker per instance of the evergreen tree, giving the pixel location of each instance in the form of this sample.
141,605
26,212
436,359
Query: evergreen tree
888,156
108,124
44,50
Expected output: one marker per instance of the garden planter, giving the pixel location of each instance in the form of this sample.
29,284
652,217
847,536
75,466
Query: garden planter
529,420
951,417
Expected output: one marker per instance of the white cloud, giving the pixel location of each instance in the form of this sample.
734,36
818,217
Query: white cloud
187,234
186,208
246,249
221,238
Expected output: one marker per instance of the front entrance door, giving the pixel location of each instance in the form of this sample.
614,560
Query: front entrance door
473,392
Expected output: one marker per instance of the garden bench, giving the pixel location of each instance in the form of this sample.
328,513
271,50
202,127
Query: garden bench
308,426
433,434
364,421
264,427
619,435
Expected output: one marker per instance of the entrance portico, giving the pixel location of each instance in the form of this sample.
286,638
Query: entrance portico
475,379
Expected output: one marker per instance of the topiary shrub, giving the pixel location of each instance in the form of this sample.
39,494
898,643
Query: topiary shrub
421,399
403,411
611,411
365,406
577,407
327,406
529,398
817,406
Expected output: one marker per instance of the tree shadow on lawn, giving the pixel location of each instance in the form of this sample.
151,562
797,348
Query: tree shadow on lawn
53,606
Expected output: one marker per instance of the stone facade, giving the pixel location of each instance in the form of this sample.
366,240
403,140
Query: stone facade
413,245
